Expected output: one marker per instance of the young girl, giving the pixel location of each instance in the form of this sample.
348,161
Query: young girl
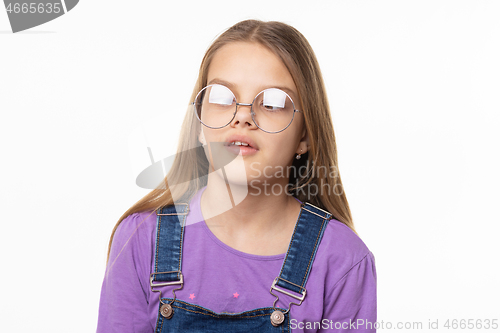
251,230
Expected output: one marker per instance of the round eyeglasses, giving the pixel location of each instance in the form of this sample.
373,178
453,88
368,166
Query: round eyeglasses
272,109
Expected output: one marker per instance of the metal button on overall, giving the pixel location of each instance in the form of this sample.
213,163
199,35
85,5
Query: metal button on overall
166,311
277,317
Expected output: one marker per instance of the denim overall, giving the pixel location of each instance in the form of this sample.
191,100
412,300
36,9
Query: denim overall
180,316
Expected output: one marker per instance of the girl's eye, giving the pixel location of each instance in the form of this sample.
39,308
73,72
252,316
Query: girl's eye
271,108
273,100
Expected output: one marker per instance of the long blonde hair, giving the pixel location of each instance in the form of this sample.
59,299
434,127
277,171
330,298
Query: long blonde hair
320,160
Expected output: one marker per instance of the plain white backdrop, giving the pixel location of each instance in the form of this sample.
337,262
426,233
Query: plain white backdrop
414,91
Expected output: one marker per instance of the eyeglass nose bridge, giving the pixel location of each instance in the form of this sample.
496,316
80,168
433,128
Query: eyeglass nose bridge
251,111
244,104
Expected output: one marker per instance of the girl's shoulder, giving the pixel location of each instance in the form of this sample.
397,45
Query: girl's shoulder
136,223
342,248
134,234
339,234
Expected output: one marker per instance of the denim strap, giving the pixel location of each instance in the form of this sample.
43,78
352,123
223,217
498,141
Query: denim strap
170,226
296,265
306,237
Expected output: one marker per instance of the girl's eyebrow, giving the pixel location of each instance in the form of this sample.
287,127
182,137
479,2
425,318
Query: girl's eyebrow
224,83
231,86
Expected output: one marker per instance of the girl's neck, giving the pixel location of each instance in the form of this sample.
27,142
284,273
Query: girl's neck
248,221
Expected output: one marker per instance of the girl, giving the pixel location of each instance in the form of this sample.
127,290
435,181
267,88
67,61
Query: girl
250,231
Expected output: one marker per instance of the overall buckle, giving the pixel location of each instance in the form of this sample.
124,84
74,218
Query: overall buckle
168,283
299,298
158,213
166,309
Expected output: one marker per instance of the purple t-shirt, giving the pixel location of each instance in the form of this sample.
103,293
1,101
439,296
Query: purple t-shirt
341,289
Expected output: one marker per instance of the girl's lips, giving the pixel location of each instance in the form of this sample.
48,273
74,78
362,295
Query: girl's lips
241,150
241,138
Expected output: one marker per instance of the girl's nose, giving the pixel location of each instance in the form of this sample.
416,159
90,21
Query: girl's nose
243,115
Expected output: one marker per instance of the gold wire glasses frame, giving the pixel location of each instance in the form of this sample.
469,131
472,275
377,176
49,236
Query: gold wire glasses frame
228,106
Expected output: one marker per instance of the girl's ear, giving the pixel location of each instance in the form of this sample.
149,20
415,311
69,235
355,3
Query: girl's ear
304,142
201,138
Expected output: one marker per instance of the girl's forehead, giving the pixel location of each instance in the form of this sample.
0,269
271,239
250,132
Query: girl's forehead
246,65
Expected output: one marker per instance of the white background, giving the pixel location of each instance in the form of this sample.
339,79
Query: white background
414,90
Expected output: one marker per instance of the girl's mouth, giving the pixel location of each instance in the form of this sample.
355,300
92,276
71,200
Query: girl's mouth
241,148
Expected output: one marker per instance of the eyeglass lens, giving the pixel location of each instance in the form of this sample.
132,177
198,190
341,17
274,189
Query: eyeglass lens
272,108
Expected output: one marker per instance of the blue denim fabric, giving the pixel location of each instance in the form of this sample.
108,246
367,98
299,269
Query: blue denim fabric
305,240
168,247
194,318
189,317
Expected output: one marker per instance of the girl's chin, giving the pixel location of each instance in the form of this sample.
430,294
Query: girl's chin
233,176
